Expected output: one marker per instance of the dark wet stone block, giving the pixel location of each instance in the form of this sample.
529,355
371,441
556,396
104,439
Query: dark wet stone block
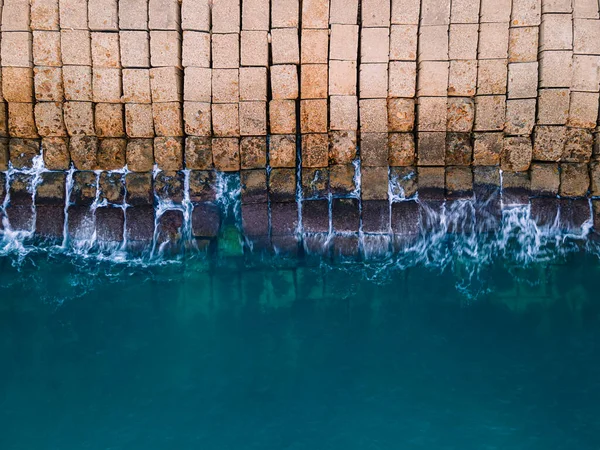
459,182
346,246
109,224
51,190
596,214
405,217
2,216
168,185
50,221
255,219
284,219
22,151
516,188
315,182
206,220
203,185
403,181
140,223
317,244
19,190
459,149
81,222
254,186
345,215
574,213
112,187
2,187
282,185
83,192
432,183
139,189
544,211
486,181
170,226
20,217
315,216
376,216
341,179
286,245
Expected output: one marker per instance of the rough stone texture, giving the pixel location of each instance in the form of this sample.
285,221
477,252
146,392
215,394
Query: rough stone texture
545,179
459,149
342,147
282,151
516,154
459,182
111,154
431,148
487,148
574,180
578,145
402,150
226,154
198,153
253,152
84,151
168,153
314,150
140,155
374,183
56,153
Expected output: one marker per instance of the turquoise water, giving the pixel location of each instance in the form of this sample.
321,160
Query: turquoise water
257,352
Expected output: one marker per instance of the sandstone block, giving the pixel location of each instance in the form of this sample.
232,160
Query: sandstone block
44,15
111,153
462,78
314,150
284,82
48,84
376,13
313,81
342,77
491,77
79,118
140,155
342,147
84,150
490,113
164,15
459,182
315,46
168,153
225,86
17,84
556,32
578,145
139,189
374,183
77,83
549,143
166,84
225,51
403,42
15,15
254,48
461,114
341,179
526,13
284,13
197,118
106,85
16,49
282,116
586,37
433,79
253,152
343,12
253,84
138,120
433,43
195,15
432,114
76,47
343,44
196,49
459,150
226,154
406,11
73,14
165,49
255,15
402,79
373,81
22,152
198,153
553,106
108,119
545,179
253,118
103,15
313,116
516,154
133,14
595,183
343,112
49,119
586,73
520,116
374,149
463,41
374,45
136,86
487,148
105,50
282,185
401,114
284,46
522,80
46,48
583,109
493,40
225,118
574,180
402,151
495,11
135,48
556,69
253,186
315,14
374,116
226,16
167,119
282,151
523,44
112,188
435,12
56,153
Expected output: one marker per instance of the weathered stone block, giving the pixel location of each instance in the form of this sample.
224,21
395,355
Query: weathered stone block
284,82
516,154
22,152
403,42
197,118
407,11
226,119
523,44
345,215
84,151
431,148
586,73
135,48
226,154
314,150
574,180
46,48
315,14
84,188
432,183
432,113
459,149
110,222
136,86
315,183
375,13
435,12
520,116
374,45
226,16
167,119
108,118
342,147
526,13
15,15
374,183
253,185
198,153
197,84
77,81
433,43
545,179
165,15
50,221
553,106
225,86
402,150
578,145
433,79
21,122
140,155
138,120
463,41
17,84
254,48
56,153
343,113
253,84
79,118
461,114
462,78
284,46
206,220
522,80
168,153
313,116
165,49
459,182
133,14
16,49
195,15
402,79
105,50
48,84
225,51
103,15
405,218
282,185
282,116
374,149
583,109
106,85
76,47
314,46
374,116
112,188
556,69
313,81
111,154
315,216
255,220
342,179
282,151
556,32
491,77
73,14
344,43
44,15
196,49
253,152
169,186
166,84
139,189
490,113
549,143
342,78
493,40
375,219
49,119
401,114
203,186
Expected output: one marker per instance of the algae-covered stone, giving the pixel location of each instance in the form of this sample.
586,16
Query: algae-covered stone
168,153
51,190
255,219
516,154
282,151
198,153
206,220
111,154
253,152
516,188
315,182
375,216
170,226
284,219
402,151
139,189
140,155
405,218
403,181
345,214
574,180
254,186
22,152
341,179
20,193
459,182
459,150
84,152
578,145
342,147
431,183
84,188
4,154
545,179
112,187
487,149
168,185
203,186
374,184
549,143
50,221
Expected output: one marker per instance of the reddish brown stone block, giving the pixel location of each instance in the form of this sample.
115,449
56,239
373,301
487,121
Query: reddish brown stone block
49,119
282,151
138,120
253,152
313,116
315,150
77,82
402,151
21,122
342,147
140,155
111,154
226,154
48,83
109,120
168,153
83,151
225,119
197,118
198,153
167,119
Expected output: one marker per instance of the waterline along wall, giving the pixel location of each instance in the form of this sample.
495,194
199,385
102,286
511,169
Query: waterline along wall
135,105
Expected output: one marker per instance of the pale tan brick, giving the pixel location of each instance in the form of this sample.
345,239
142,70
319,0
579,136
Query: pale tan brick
433,78
343,112
284,82
44,15
491,77
490,112
225,51
556,69
464,11
405,12
401,114
108,120
17,84
135,48
343,43
103,15
225,86
255,15
285,13
73,14
79,118
253,118
375,44
253,84
583,110
226,120
432,113
403,42
164,14
77,83
165,48
226,16
522,80
313,81
105,50
48,84
520,116
196,49
313,116
106,85
526,13
585,9
197,84
166,84
282,116
195,15
556,32
133,14
553,106
136,86
197,118
375,13
463,41
16,49
373,80
46,48
493,40
523,44
315,13
49,119
21,123
167,119
586,36
343,12
314,47
15,15
586,73
138,120
463,78
76,47
433,43
284,46
435,12
254,48
495,11
402,79
342,78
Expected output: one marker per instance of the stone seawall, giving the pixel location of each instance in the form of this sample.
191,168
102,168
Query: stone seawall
305,97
